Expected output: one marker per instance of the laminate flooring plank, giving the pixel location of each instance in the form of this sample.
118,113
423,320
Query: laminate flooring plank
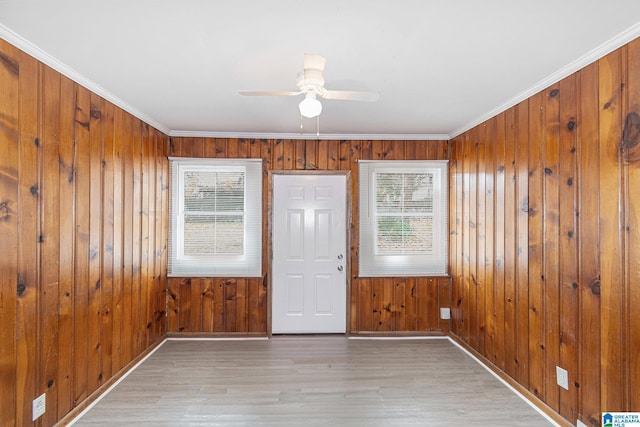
311,381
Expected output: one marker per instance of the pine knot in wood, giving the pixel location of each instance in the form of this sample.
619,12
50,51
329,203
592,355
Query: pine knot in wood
631,138
5,212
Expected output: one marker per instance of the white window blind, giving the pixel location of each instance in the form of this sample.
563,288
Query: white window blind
215,217
403,218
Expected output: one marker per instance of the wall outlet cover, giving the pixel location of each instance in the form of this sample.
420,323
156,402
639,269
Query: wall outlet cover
445,313
39,406
562,377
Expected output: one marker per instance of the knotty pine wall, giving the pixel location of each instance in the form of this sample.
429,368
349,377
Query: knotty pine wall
239,306
545,239
83,217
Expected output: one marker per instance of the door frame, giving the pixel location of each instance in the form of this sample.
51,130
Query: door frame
348,223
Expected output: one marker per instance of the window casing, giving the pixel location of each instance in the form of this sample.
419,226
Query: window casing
403,218
215,218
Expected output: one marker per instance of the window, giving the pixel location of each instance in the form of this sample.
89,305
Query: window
403,218
215,217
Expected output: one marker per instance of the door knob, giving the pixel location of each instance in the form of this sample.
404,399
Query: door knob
340,268
340,256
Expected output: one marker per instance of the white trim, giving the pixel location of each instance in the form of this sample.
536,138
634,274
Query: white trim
42,56
506,384
112,386
346,136
408,337
244,263
586,59
217,339
400,162
207,160
423,262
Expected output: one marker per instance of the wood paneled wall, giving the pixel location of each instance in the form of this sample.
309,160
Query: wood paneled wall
545,239
239,306
83,216
544,248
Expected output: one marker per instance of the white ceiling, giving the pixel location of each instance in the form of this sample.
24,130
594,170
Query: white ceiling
440,66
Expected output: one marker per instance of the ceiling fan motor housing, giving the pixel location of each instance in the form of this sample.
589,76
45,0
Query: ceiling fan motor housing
310,80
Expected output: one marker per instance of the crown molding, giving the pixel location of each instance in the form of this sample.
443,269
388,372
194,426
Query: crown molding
42,56
609,46
349,136
614,43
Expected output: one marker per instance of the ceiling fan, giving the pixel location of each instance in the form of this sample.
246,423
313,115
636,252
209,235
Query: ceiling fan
311,83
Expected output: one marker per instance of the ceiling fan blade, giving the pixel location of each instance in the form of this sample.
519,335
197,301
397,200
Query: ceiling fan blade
351,95
314,62
268,93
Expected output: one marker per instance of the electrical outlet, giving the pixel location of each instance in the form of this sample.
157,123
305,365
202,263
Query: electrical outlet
562,377
445,313
39,406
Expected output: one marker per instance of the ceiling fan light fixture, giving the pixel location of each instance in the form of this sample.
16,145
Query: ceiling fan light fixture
310,107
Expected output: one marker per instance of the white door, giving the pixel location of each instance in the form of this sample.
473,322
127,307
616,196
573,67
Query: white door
309,254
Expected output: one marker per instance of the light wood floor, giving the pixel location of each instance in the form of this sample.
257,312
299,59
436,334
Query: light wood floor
309,381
